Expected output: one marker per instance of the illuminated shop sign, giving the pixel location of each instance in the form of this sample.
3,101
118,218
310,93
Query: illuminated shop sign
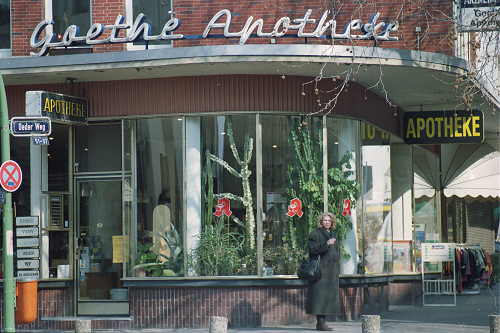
142,31
440,127
57,107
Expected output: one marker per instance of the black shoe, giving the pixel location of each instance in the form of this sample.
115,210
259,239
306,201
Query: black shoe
321,326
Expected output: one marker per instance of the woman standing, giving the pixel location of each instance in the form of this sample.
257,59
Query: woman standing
323,295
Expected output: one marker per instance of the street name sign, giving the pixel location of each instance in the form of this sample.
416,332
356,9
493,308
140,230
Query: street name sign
30,126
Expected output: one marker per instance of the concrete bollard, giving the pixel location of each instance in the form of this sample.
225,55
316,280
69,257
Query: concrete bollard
494,324
218,325
370,324
83,326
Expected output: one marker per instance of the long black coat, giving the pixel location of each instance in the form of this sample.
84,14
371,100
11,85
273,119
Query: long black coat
323,296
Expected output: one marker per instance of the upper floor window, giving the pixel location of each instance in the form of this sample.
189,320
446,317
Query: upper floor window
71,12
5,24
157,12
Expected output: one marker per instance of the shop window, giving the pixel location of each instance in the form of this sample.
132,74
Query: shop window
344,187
5,29
98,148
158,13
20,152
376,229
292,155
284,237
227,238
57,152
59,266
402,216
158,243
427,228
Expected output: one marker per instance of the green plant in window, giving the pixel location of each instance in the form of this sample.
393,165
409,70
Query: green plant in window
243,174
284,259
161,264
218,251
342,185
305,175
145,258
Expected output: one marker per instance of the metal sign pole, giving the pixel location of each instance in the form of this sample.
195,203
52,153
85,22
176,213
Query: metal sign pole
9,285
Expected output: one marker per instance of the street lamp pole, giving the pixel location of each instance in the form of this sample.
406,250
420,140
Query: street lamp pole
9,286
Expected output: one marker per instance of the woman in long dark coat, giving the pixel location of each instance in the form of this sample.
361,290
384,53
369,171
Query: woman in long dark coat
323,297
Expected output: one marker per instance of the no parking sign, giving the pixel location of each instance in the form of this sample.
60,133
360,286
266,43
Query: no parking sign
10,176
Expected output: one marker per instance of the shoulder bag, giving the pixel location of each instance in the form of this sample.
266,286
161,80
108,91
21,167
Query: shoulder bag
309,271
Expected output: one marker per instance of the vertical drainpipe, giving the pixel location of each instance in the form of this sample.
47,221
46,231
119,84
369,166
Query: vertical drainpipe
9,288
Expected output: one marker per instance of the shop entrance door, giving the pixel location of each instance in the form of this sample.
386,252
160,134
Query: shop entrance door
99,219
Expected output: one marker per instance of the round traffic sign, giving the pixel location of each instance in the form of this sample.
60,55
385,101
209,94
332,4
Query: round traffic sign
10,176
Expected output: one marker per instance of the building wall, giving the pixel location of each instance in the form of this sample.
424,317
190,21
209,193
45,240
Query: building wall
484,237
218,93
433,18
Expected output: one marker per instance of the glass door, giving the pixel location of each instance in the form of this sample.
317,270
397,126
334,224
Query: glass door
99,256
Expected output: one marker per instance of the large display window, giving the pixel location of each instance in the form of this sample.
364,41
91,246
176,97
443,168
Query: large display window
158,240
192,194
377,201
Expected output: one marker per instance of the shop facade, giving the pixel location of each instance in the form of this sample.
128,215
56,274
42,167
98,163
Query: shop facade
189,185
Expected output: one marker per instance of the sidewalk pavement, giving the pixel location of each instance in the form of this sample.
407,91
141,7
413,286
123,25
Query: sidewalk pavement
470,315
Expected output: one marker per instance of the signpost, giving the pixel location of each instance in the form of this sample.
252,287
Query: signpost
9,284
28,246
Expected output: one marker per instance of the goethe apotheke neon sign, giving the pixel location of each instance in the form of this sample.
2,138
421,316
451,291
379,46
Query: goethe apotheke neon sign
141,30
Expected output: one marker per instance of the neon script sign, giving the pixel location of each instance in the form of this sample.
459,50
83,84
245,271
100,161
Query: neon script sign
141,30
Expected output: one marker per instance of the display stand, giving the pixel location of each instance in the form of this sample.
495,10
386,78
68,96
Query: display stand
438,252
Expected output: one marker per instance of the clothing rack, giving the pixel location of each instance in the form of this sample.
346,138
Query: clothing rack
475,288
468,245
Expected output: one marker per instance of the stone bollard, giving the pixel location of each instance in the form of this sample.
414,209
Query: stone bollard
370,324
494,324
83,326
218,325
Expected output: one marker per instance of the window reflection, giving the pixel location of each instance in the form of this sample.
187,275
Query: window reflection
377,221
159,244
5,29
157,14
70,12
427,225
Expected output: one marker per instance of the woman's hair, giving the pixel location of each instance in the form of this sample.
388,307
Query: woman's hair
332,216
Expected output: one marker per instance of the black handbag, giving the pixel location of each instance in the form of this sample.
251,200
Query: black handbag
309,271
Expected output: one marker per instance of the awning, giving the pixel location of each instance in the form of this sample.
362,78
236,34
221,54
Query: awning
471,171
425,175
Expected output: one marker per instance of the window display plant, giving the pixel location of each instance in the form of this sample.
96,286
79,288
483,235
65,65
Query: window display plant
305,175
218,251
161,264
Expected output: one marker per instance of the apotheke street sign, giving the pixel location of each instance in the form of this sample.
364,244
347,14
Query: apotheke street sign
30,126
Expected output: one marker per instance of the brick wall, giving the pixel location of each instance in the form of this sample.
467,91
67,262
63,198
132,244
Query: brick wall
157,308
192,307
406,293
431,17
26,14
483,237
